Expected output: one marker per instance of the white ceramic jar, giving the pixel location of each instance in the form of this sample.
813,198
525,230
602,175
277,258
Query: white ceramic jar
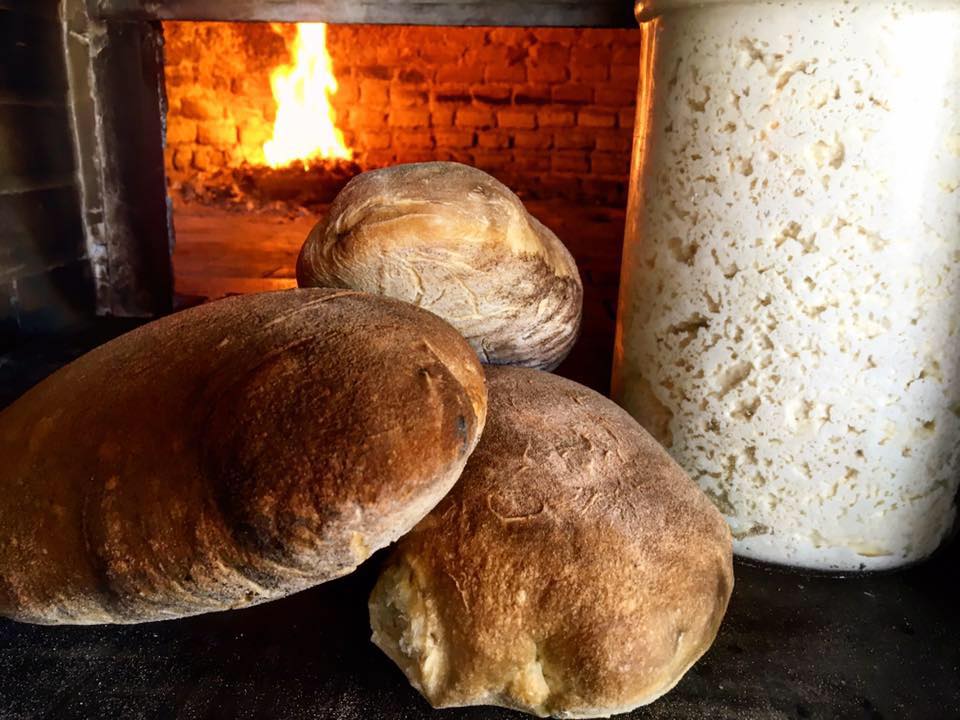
790,294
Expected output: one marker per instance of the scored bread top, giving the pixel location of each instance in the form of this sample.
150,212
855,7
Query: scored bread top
574,570
456,241
230,454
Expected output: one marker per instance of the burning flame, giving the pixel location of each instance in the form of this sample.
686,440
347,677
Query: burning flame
305,126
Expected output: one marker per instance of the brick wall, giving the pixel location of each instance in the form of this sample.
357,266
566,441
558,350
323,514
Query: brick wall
45,276
549,111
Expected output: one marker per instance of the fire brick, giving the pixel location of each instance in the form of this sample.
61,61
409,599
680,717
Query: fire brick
374,93
492,160
532,139
347,94
570,162
253,135
614,141
583,56
409,118
546,73
412,139
551,117
597,118
573,94
379,158
438,51
181,131
206,158
531,162
493,139
454,138
532,95
496,54
244,116
492,94
366,116
516,119
416,156
452,94
613,190
217,133
378,72
459,72
347,38
510,35
200,108
474,117
551,54
593,38
610,163
442,116
182,158
589,73
563,36
177,75
625,75
412,76
505,73
374,140
575,140
402,96
392,53
466,36
459,156
625,55
616,96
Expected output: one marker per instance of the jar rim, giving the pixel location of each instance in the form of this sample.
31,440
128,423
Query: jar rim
649,9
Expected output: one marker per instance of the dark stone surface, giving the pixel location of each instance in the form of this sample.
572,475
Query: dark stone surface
132,111
119,110
31,358
60,298
31,61
42,229
562,13
792,645
42,248
35,146
9,321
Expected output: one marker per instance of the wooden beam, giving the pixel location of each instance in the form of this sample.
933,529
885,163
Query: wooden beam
118,104
543,13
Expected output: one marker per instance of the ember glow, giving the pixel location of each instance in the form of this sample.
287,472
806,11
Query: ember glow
305,127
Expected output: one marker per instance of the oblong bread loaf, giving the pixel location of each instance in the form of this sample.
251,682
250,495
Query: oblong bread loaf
230,454
456,241
574,570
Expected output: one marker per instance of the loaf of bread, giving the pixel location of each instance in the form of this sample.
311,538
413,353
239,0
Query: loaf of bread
230,454
573,571
454,240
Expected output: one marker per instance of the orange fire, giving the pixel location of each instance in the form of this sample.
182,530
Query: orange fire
305,128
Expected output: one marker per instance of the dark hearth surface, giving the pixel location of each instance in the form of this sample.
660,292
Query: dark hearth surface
791,646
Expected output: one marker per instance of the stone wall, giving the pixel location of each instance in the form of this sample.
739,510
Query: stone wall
549,111
45,276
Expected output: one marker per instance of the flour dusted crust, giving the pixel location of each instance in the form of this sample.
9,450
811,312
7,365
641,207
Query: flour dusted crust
573,571
230,454
455,241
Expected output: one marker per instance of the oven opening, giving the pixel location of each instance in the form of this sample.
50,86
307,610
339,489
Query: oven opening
266,122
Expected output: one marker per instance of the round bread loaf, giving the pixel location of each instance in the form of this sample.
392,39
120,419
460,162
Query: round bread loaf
454,240
573,571
230,454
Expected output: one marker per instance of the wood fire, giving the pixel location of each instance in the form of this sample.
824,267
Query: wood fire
305,127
